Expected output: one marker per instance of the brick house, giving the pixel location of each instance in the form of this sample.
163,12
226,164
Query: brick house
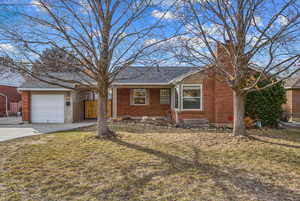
292,106
181,93
9,96
178,93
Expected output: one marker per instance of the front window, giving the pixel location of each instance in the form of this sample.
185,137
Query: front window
164,96
191,97
139,96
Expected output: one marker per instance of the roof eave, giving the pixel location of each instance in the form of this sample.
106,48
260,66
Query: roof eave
139,84
43,89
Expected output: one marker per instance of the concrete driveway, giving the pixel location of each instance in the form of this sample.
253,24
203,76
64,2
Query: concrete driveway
8,132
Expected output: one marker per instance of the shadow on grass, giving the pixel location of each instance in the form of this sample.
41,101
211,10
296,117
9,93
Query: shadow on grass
275,143
291,135
253,187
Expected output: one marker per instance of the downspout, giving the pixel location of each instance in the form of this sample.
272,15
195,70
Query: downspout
6,103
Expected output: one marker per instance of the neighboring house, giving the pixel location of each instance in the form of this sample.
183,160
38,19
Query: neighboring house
9,96
292,107
179,93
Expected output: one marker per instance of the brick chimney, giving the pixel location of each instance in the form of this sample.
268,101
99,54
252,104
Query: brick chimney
224,54
223,96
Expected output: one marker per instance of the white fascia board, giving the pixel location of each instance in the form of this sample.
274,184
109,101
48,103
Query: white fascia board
292,87
43,89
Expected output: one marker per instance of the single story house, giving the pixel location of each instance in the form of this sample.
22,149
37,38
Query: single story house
178,93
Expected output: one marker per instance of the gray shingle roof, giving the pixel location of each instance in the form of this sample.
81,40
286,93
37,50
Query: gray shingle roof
138,75
293,82
35,83
151,74
9,78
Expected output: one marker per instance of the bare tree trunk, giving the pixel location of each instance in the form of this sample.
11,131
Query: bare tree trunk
239,128
102,126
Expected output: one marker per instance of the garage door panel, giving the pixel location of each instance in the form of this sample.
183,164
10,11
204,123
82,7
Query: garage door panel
47,108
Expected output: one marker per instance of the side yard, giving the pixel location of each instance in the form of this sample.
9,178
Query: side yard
166,165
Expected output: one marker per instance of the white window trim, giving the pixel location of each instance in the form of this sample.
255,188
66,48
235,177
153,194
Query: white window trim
179,99
146,97
168,96
201,96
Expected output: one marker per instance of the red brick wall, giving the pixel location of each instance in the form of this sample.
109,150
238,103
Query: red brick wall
292,107
154,108
12,96
25,105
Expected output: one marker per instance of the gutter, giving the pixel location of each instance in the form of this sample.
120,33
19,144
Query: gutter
43,89
138,84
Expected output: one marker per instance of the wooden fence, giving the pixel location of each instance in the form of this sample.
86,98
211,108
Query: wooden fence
91,107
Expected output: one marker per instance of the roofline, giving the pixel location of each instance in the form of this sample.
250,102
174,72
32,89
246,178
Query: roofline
7,85
292,87
118,83
43,89
183,76
154,66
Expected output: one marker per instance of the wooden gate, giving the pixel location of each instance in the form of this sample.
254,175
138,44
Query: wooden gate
90,109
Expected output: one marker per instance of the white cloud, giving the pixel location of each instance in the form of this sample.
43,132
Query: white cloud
37,4
163,2
178,2
282,20
150,41
166,15
85,6
257,21
8,48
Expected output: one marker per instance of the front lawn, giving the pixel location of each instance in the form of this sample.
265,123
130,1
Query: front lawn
170,165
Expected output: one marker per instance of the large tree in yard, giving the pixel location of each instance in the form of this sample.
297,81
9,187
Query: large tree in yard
100,37
260,33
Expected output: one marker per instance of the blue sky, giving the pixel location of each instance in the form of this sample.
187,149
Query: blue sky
151,15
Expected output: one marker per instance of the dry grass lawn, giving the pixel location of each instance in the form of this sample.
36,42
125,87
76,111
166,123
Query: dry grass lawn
160,165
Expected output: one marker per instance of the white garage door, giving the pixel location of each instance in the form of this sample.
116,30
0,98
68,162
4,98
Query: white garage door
47,108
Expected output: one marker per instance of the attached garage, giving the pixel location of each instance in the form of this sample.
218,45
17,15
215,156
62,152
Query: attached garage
47,108
46,103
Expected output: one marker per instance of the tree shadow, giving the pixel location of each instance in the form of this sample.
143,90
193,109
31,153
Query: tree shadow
291,135
275,143
254,187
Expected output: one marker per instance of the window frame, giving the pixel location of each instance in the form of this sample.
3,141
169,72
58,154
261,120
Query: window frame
169,96
201,96
146,97
176,89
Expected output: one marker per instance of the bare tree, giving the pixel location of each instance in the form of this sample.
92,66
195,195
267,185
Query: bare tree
264,33
102,36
